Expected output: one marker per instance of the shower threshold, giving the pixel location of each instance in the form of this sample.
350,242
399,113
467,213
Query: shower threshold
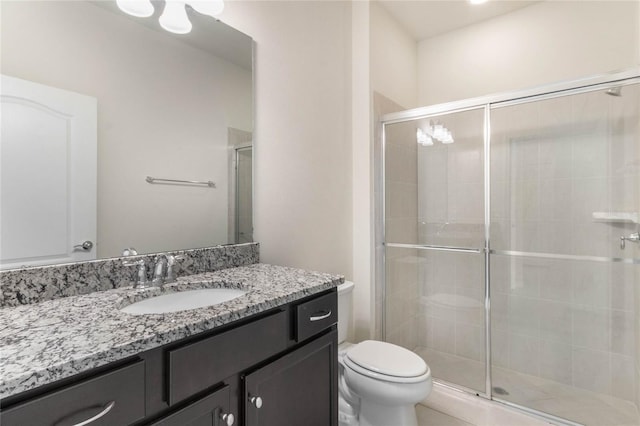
541,395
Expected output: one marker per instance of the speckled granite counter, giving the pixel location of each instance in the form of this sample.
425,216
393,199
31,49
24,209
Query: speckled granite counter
48,341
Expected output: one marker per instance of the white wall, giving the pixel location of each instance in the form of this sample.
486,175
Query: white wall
543,43
394,59
362,173
163,110
302,193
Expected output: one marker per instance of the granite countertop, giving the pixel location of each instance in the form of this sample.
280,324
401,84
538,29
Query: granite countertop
48,341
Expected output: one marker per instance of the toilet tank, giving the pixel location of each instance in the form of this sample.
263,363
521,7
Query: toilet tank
345,311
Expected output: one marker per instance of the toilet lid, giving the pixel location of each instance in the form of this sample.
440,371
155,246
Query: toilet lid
387,358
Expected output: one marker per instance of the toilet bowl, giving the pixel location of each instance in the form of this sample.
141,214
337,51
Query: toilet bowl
379,382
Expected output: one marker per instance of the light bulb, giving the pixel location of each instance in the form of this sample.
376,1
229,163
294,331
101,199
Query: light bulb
139,8
477,1
438,131
174,17
448,137
207,7
423,138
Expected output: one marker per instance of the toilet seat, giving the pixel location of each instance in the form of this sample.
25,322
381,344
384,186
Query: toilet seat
387,362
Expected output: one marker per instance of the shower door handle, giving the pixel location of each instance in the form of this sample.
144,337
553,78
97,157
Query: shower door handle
634,238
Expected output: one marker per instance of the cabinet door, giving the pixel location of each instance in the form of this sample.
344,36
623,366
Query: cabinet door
300,388
212,410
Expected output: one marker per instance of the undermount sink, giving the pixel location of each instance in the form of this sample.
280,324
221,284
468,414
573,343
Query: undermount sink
182,301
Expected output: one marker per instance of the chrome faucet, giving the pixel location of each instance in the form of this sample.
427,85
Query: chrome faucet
633,238
171,274
142,281
163,272
158,271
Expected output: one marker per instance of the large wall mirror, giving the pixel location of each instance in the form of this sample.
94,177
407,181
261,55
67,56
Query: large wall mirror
93,103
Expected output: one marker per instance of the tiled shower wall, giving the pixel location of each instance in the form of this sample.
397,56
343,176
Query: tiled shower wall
554,163
401,188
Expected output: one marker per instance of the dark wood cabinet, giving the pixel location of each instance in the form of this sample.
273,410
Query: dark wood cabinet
112,398
298,389
196,366
212,410
286,356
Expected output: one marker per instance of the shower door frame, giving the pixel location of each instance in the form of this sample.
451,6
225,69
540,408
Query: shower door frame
487,103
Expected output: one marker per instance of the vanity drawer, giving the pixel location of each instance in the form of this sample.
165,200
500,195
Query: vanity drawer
113,398
315,315
200,365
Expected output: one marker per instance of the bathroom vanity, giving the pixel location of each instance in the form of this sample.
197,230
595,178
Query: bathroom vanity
268,357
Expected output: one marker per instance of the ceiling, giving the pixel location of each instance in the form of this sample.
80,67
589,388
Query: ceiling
427,18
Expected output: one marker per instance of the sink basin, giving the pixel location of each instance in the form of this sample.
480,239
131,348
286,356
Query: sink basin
182,301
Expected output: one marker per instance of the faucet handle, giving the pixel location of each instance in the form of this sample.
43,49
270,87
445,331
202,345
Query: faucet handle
171,260
142,272
158,271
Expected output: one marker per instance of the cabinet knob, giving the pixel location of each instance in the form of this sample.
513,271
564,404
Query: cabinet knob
228,419
256,400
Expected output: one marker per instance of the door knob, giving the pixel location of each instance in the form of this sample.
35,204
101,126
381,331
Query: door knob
85,246
256,400
228,419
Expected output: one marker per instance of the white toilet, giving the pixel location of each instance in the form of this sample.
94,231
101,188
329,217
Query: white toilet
379,382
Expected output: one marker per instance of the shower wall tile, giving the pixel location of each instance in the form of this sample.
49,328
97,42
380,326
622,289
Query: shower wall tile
556,361
467,204
556,202
555,281
524,316
553,164
591,153
470,341
591,283
591,328
555,318
499,311
622,333
623,286
523,353
555,237
594,239
592,370
499,348
442,335
622,377
555,157
401,229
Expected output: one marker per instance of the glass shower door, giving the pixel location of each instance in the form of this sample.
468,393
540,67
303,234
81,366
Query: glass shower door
434,240
565,187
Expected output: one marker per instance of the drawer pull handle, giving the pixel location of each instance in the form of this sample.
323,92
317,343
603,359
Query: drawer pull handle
321,316
101,414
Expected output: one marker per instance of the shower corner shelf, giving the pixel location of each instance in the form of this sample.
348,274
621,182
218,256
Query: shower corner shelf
618,217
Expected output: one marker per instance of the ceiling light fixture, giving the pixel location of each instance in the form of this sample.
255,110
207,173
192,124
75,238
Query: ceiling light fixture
174,17
434,131
138,8
477,1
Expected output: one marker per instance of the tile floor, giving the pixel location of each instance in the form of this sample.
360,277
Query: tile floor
430,417
561,400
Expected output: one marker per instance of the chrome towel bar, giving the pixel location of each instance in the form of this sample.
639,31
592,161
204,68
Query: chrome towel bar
208,183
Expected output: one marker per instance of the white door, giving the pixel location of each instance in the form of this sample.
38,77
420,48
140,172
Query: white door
48,157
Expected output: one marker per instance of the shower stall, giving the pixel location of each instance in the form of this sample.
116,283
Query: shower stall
508,251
